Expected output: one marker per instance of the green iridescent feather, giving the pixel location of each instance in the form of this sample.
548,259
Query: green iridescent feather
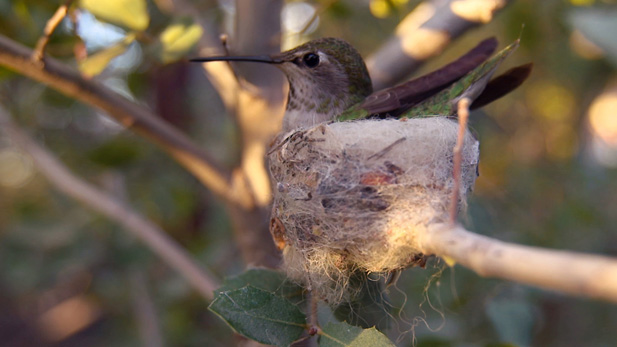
444,102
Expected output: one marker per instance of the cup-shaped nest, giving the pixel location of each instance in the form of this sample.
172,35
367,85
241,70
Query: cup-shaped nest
353,196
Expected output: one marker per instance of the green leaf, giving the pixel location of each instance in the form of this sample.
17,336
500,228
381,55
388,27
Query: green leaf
96,63
343,334
177,39
513,318
131,14
269,280
370,307
260,315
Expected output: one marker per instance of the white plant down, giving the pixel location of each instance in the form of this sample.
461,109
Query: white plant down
351,196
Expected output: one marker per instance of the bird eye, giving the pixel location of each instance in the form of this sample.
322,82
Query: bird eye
311,60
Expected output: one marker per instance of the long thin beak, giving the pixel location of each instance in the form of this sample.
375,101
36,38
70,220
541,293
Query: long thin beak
252,58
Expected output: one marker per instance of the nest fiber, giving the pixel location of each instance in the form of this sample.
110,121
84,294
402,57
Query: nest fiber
352,196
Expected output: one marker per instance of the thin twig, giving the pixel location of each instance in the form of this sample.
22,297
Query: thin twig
463,115
387,149
132,115
149,233
52,23
574,273
424,33
145,312
313,312
220,74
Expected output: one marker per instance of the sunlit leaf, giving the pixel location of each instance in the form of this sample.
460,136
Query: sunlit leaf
380,8
131,14
582,2
260,315
343,334
177,39
96,63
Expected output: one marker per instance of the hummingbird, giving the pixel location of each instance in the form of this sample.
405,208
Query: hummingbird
329,81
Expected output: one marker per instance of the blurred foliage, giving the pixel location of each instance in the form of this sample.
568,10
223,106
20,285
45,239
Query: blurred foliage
131,14
540,184
177,39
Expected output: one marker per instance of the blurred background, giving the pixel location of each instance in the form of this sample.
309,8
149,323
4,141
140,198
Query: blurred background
69,277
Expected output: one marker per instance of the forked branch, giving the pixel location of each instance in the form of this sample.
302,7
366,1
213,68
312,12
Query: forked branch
149,233
50,27
424,33
132,115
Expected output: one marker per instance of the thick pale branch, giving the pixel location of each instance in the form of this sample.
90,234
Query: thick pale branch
258,105
260,101
424,33
569,272
254,116
148,232
130,114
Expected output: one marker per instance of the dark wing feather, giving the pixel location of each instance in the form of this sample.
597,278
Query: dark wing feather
396,100
502,85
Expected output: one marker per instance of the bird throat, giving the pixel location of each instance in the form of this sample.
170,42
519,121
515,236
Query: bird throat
307,106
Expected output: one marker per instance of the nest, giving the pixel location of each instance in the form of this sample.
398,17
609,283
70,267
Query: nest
352,196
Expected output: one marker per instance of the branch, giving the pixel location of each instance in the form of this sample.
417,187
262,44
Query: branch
463,115
569,272
149,233
424,33
52,23
258,104
144,309
220,74
260,101
129,114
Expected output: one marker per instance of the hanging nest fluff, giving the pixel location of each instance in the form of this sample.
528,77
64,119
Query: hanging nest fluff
352,196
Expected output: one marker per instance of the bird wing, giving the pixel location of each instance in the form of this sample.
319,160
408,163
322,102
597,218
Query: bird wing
396,100
473,86
502,85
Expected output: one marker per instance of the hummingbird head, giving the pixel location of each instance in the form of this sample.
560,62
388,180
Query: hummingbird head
326,76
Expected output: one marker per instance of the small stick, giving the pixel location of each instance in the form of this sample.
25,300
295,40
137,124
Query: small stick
387,149
463,115
313,318
224,42
50,27
159,242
